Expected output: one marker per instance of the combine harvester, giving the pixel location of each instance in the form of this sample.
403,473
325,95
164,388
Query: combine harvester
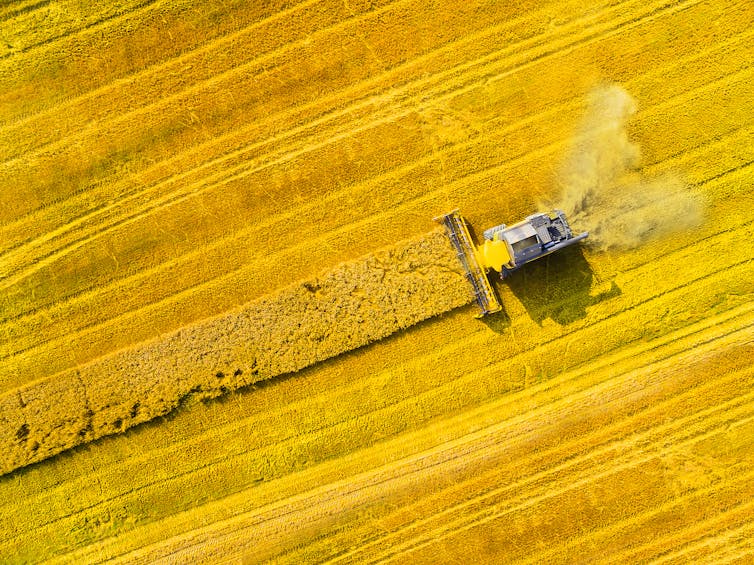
506,249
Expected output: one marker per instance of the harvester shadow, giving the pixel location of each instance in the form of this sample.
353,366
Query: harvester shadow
497,322
558,287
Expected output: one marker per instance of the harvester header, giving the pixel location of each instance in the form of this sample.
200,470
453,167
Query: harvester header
505,249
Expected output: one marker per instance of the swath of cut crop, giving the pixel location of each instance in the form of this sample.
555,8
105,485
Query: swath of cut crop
603,189
354,304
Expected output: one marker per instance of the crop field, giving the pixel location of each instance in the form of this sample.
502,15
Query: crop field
231,332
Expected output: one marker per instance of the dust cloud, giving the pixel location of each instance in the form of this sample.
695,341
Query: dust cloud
602,188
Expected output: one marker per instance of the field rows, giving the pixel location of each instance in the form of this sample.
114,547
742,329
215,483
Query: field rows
460,152
28,258
169,170
171,117
558,451
466,389
470,512
687,261
242,258
31,323
257,426
722,219
647,416
177,355
248,427
390,99
42,23
9,11
71,62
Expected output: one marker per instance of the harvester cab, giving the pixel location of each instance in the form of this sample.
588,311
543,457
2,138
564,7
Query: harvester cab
505,249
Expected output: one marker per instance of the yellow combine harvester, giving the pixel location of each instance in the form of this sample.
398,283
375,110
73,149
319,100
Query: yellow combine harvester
506,249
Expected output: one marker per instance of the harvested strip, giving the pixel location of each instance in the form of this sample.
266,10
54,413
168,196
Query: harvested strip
354,304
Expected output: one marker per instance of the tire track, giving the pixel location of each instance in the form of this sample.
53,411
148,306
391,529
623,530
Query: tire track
421,461
116,16
622,523
165,101
155,125
149,83
686,499
13,12
228,543
710,530
220,161
733,546
648,518
485,516
566,458
229,427
614,529
69,61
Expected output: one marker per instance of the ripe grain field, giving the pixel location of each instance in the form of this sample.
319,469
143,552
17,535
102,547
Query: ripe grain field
231,332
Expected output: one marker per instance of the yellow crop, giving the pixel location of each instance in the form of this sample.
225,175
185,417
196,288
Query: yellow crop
183,183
